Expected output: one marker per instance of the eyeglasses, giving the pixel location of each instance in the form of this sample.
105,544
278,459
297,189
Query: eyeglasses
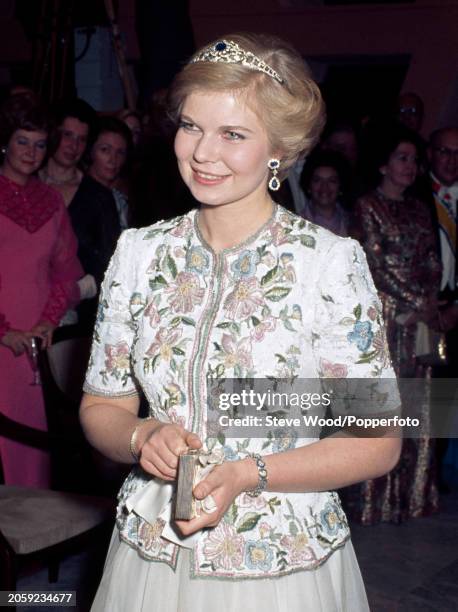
446,153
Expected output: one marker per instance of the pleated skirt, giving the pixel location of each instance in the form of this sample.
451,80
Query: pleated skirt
132,584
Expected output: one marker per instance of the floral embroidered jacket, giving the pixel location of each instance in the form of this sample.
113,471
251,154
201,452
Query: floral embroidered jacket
293,300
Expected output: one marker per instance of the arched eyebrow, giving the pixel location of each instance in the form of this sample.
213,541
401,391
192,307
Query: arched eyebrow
236,128
224,128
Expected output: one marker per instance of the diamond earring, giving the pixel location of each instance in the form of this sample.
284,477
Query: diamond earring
274,165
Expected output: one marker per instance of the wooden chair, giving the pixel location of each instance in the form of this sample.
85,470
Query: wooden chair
41,524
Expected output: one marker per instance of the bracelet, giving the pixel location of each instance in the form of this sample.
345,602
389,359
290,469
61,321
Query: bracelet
262,474
133,439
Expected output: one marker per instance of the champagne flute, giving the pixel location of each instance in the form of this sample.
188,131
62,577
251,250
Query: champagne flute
33,358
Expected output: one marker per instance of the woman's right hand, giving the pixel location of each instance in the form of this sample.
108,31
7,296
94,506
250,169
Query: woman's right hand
160,446
17,341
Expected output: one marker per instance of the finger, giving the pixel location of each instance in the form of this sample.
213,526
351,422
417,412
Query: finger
175,448
170,453
167,444
208,485
157,460
193,440
151,468
198,523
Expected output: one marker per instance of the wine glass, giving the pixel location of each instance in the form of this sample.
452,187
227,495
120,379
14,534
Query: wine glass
33,358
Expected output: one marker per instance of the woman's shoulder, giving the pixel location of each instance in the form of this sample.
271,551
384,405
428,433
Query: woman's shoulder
313,237
177,227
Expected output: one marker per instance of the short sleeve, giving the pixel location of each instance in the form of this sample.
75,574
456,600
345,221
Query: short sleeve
110,370
64,270
349,339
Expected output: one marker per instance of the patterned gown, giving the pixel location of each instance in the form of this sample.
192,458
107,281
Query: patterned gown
293,300
400,245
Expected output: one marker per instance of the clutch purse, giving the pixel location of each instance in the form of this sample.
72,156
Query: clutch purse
430,346
193,467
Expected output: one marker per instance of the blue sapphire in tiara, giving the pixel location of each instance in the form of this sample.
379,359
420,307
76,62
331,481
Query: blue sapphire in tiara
220,46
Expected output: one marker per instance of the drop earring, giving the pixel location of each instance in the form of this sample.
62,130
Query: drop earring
274,165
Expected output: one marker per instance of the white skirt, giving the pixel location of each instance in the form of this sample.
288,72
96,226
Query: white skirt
133,584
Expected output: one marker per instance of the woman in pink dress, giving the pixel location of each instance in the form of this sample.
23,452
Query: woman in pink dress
39,270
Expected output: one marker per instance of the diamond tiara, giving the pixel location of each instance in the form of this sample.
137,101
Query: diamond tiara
229,52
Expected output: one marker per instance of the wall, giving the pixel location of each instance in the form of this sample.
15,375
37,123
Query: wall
425,30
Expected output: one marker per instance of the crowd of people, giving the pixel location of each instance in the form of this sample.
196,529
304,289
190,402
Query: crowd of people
71,181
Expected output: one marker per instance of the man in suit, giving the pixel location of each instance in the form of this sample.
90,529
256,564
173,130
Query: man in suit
443,158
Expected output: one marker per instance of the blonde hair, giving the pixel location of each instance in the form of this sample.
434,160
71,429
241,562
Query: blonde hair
292,112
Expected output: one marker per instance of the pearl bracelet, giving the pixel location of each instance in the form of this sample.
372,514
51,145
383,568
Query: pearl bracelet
262,474
133,439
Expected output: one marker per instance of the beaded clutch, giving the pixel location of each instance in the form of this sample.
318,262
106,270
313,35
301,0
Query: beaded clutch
193,467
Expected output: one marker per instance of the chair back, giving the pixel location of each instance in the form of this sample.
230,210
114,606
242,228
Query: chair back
68,361
62,369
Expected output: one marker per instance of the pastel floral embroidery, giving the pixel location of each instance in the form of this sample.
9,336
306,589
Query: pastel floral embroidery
361,335
224,547
252,315
330,519
261,327
182,228
286,258
117,358
164,343
297,546
236,353
382,351
269,260
246,298
297,313
245,265
289,274
179,252
258,555
185,292
279,234
264,529
284,439
246,501
176,396
229,453
197,260
150,535
153,315
332,370
176,418
372,313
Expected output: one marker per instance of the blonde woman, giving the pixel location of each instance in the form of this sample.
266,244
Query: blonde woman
239,288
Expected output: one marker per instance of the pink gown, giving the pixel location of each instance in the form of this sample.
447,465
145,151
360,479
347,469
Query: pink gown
38,273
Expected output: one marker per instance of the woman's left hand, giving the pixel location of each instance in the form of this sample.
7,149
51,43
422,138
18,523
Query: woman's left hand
224,483
43,330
